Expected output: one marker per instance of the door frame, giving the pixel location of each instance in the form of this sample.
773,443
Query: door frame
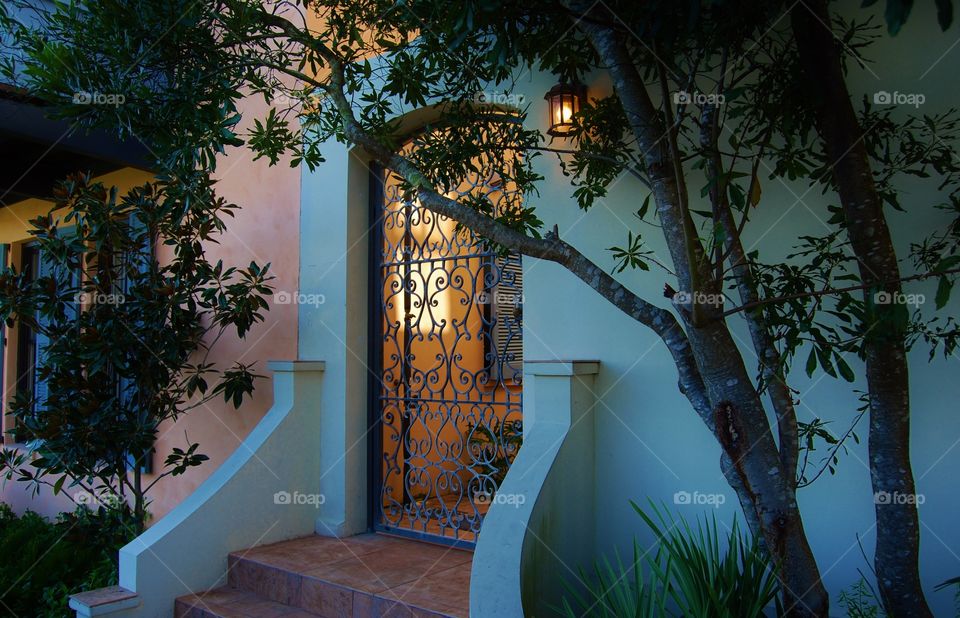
375,209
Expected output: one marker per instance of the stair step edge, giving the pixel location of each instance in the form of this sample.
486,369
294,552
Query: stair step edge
227,602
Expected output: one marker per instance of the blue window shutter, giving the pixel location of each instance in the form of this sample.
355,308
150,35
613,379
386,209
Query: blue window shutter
45,268
40,387
4,251
125,386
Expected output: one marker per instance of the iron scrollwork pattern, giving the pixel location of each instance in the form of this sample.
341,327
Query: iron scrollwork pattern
450,393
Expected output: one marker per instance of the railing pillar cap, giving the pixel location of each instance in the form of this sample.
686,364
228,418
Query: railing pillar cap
103,601
561,367
296,365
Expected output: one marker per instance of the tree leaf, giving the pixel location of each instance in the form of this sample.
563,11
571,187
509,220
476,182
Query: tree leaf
845,371
944,287
642,211
944,13
812,362
755,191
896,14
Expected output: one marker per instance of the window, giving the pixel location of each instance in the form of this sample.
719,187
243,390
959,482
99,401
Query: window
29,342
126,388
504,319
4,249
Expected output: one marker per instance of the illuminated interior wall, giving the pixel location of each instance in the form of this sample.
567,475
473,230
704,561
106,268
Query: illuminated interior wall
436,297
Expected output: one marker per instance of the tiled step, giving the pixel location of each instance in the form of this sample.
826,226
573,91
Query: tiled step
358,577
228,602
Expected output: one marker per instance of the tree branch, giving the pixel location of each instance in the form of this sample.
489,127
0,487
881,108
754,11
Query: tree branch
551,248
633,171
833,291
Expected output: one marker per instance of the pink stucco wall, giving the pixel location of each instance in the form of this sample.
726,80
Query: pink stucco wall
266,229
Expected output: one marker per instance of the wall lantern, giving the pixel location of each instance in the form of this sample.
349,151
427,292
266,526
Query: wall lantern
564,100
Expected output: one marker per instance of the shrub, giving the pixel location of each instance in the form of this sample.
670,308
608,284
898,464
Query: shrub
127,307
44,562
698,573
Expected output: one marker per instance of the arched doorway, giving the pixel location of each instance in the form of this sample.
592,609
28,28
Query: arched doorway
446,365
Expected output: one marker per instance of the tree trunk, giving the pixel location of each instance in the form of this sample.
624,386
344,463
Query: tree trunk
712,372
762,337
139,506
751,455
740,421
898,532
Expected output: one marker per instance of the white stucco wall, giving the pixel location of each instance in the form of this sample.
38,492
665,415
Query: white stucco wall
650,444
333,258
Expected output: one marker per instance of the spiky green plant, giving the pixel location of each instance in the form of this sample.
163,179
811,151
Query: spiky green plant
615,591
693,573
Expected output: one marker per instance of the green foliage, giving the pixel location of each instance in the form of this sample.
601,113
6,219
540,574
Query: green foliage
952,583
631,255
896,13
195,69
55,602
701,573
860,601
615,590
44,562
744,122
129,336
815,431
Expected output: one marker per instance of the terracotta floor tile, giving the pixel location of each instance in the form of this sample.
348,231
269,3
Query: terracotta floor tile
301,557
366,576
456,612
266,581
209,610
379,540
207,604
397,562
443,590
421,559
272,611
363,605
370,606
425,552
184,607
231,603
238,603
325,599
263,608
387,608
368,573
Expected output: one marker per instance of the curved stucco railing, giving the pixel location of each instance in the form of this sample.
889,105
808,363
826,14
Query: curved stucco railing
266,491
540,527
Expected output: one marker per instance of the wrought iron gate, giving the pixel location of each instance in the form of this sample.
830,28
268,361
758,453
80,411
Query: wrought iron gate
447,361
